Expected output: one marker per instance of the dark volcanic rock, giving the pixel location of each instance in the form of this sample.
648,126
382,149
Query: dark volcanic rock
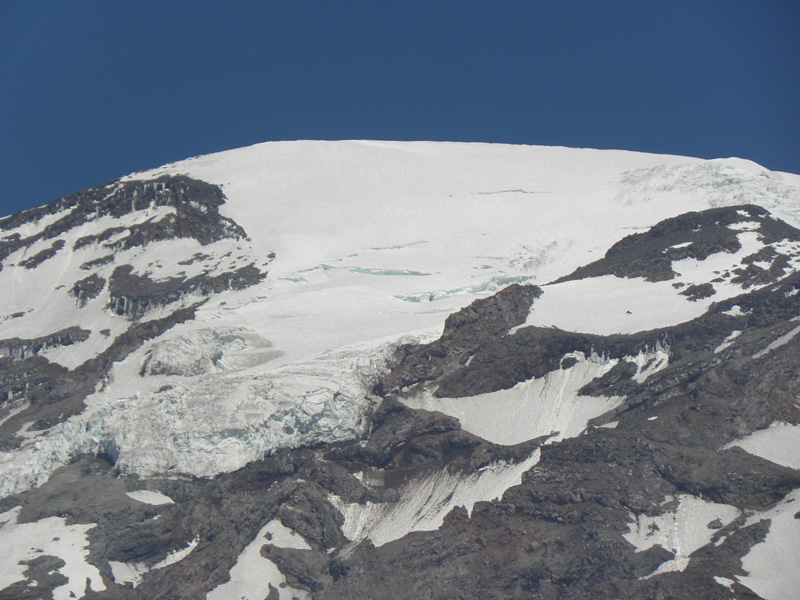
38,258
42,577
97,262
691,235
18,349
133,295
465,333
87,289
559,533
698,292
196,215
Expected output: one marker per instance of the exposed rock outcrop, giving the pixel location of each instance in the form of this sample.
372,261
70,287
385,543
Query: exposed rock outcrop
132,295
18,349
196,215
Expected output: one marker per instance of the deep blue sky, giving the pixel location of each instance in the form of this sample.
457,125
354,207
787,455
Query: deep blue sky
93,90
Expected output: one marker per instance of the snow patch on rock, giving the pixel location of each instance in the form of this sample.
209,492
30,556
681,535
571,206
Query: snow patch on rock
47,537
772,564
548,405
424,502
681,531
253,574
728,341
133,572
777,343
650,361
735,311
779,443
282,537
150,497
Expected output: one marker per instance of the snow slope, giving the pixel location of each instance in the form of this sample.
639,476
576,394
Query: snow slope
546,406
425,501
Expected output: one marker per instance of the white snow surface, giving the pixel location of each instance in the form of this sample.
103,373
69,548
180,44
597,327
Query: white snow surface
282,537
548,405
252,575
681,531
424,502
150,497
724,581
608,304
772,564
728,341
375,243
782,340
21,542
133,572
128,572
734,311
779,443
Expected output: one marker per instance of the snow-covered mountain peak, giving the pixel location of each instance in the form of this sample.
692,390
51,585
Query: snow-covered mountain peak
375,329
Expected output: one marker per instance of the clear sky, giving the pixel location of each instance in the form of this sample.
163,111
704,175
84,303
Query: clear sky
94,90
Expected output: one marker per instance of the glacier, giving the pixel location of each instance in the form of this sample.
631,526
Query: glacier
296,373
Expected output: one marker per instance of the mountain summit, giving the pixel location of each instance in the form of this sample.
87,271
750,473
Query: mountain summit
404,370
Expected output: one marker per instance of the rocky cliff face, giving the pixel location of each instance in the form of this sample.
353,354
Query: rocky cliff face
176,422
